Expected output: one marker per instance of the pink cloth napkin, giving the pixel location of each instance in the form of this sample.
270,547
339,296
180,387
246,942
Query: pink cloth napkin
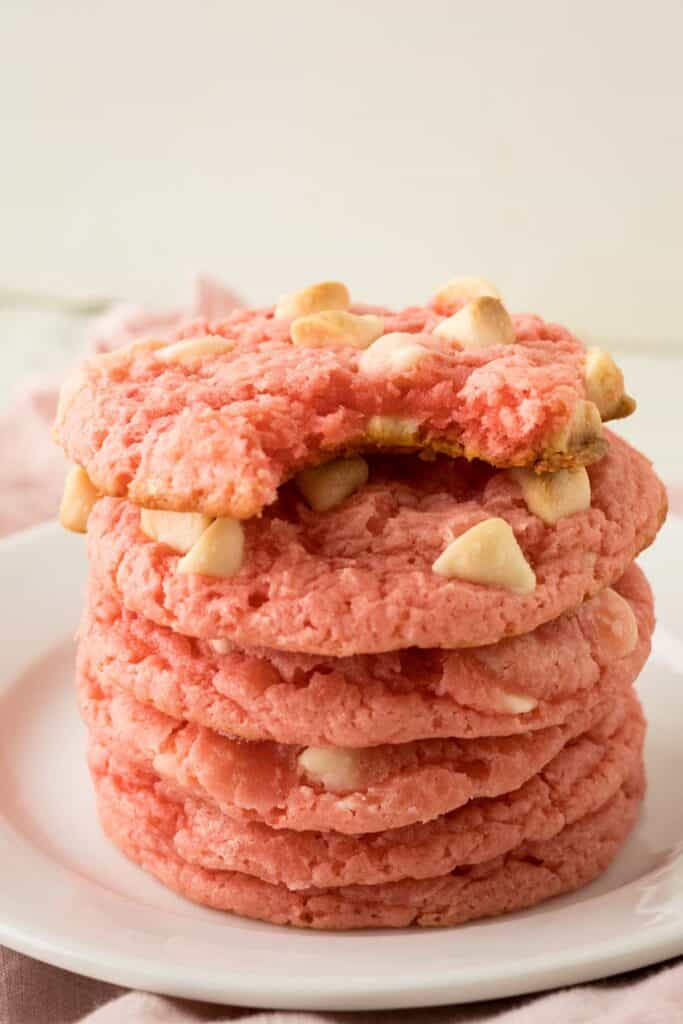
31,467
657,999
31,476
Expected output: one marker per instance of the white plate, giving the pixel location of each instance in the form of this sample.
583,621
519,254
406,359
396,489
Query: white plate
70,899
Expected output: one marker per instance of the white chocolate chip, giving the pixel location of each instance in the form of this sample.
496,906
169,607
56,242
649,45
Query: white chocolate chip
191,351
165,763
392,354
392,431
488,553
604,382
336,327
122,355
314,299
514,703
618,625
460,290
326,486
482,323
180,530
221,645
552,496
218,552
336,768
77,501
584,427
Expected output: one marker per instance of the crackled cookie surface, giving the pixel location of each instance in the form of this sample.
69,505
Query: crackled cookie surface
394,565
143,826
218,420
524,683
349,790
580,779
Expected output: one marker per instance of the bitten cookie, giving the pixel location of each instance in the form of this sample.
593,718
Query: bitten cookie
534,871
217,421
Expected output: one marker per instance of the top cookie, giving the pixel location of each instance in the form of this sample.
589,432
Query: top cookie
215,421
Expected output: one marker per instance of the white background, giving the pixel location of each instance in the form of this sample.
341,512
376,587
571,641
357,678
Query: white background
389,143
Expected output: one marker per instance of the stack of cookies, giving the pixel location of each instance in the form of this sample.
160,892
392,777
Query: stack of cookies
362,622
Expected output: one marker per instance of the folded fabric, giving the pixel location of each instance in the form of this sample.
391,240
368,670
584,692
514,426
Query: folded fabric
654,999
32,467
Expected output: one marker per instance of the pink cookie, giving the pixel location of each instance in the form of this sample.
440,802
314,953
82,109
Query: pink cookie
534,871
364,790
359,578
372,699
579,780
221,434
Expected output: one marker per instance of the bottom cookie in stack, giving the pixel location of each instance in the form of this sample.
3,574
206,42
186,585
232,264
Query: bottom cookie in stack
430,832
494,855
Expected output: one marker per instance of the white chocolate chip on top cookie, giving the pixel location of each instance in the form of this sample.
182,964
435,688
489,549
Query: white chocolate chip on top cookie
392,354
218,552
488,553
583,428
325,486
336,327
553,496
179,530
604,382
120,358
314,299
482,323
193,350
393,431
77,501
335,768
460,290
